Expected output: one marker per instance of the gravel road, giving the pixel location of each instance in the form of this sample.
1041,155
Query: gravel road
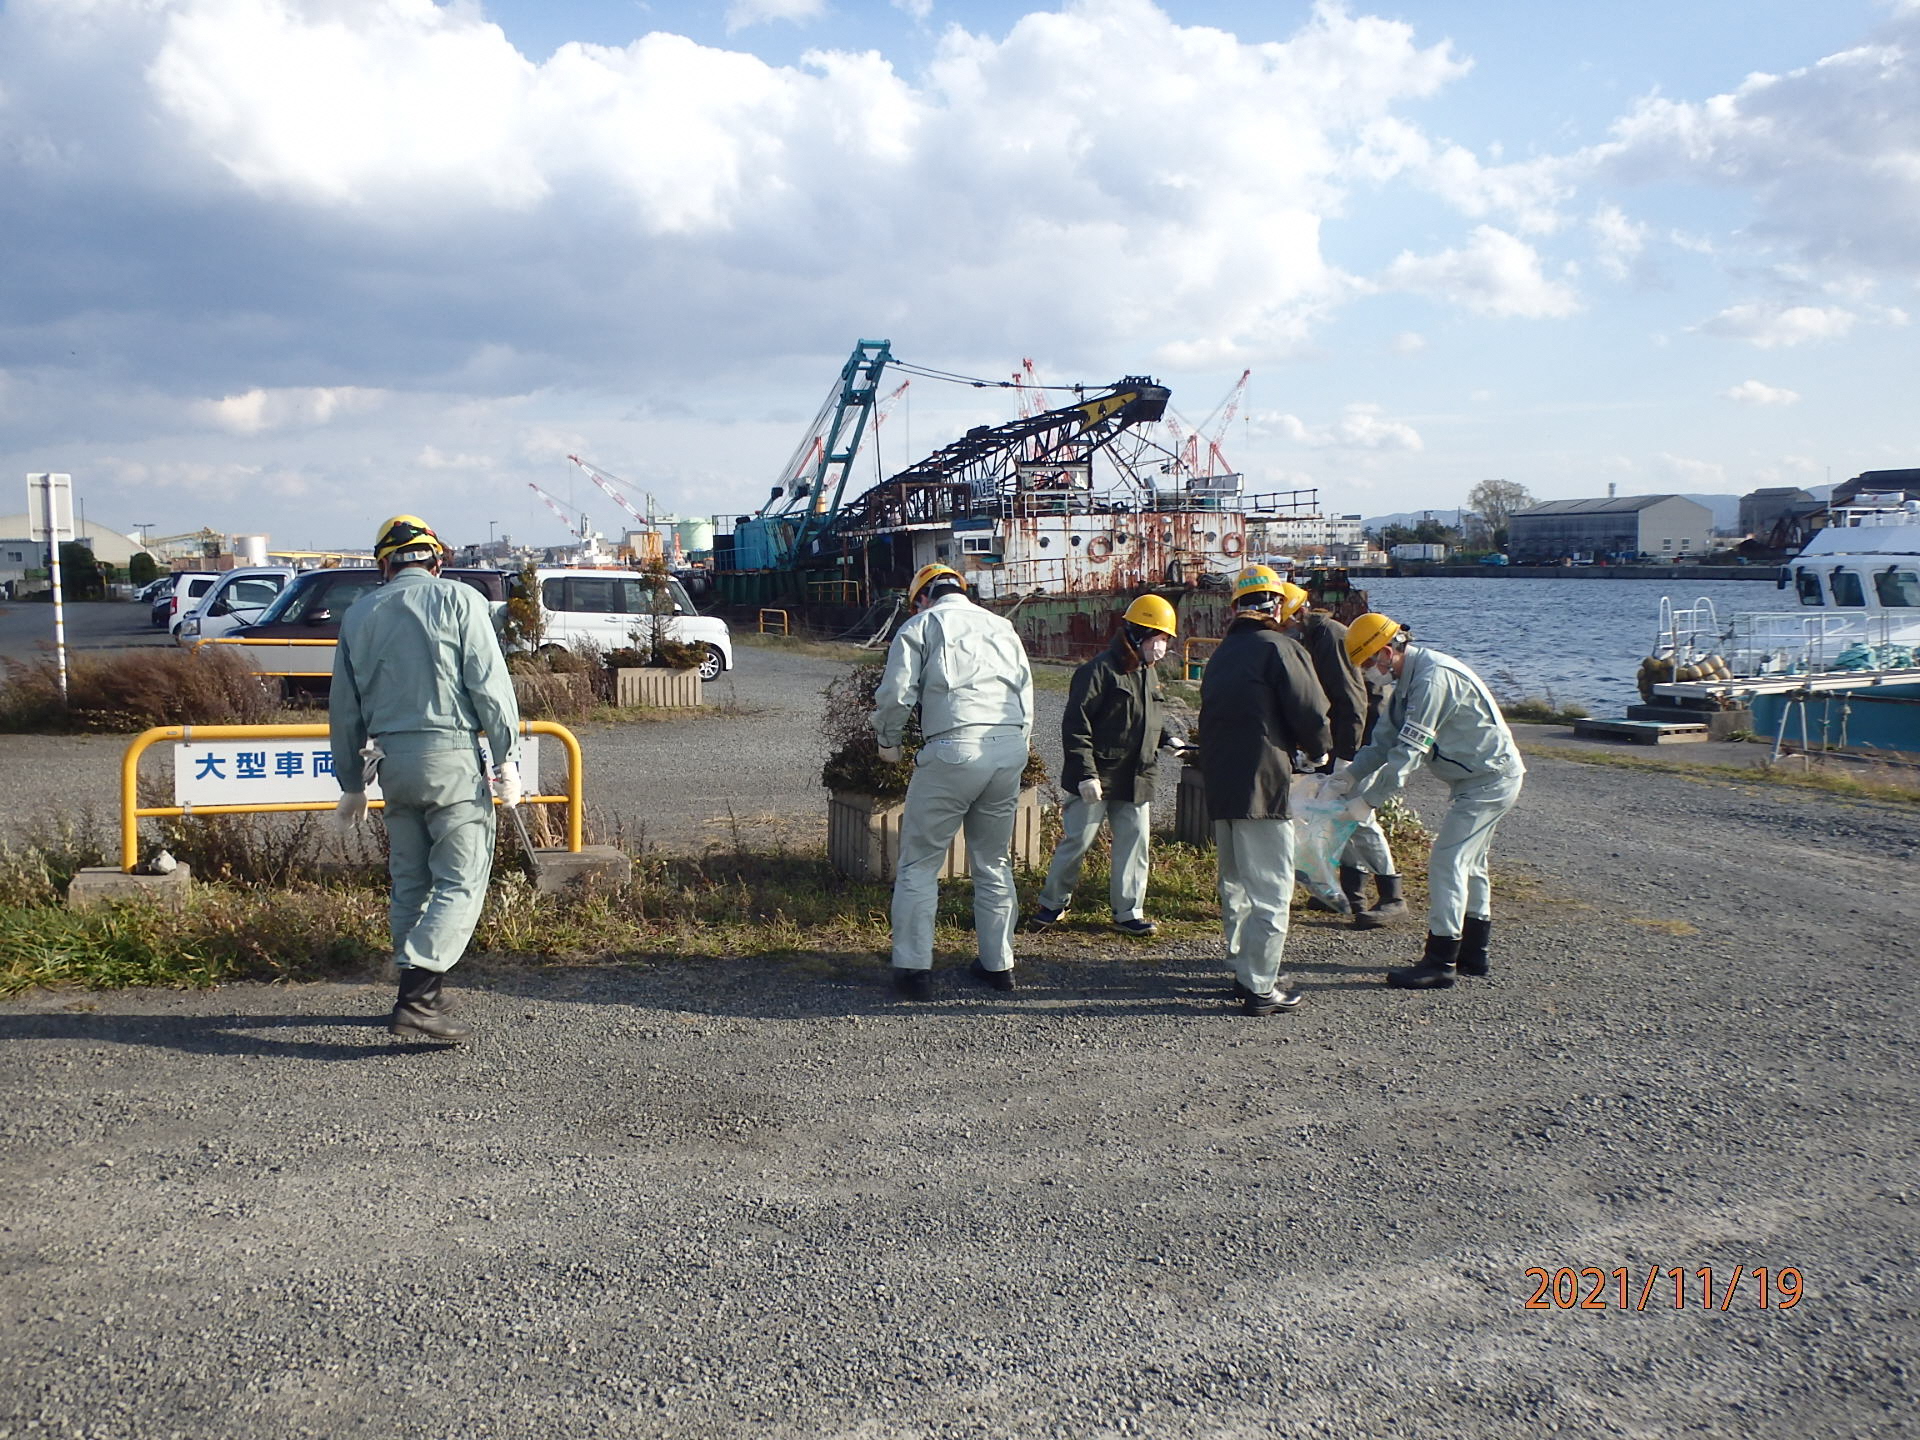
761,1199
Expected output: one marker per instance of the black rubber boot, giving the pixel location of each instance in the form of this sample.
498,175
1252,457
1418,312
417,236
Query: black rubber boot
1435,970
912,984
1473,945
1353,885
1389,904
992,979
419,1012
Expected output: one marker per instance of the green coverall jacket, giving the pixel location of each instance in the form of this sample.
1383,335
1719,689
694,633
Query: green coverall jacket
419,655
1113,727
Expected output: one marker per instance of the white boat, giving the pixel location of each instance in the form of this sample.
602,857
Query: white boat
1845,660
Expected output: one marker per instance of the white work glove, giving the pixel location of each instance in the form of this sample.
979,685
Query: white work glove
348,811
1313,762
1337,784
1090,790
892,754
1340,767
506,783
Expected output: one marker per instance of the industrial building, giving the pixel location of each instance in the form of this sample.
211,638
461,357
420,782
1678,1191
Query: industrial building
18,554
1660,527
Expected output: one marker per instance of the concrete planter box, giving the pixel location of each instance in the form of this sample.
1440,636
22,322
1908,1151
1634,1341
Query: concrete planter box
863,837
1191,822
655,688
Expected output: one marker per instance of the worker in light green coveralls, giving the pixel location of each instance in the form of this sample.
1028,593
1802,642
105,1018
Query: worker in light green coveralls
967,672
1441,716
417,677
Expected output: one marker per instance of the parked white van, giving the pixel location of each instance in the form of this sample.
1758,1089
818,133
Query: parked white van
603,610
237,598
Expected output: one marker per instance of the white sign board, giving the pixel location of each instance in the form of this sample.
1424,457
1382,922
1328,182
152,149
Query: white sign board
280,772
50,507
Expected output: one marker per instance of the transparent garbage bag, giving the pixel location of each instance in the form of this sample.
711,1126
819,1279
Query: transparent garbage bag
1320,835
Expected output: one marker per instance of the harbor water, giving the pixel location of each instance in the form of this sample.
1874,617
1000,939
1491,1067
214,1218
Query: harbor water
1572,641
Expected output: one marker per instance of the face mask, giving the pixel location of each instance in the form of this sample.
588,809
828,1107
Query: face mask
1153,648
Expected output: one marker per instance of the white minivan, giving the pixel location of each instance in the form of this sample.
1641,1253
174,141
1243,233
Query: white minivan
238,598
611,609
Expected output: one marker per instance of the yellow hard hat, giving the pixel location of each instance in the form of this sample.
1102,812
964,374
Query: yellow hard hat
1153,613
1366,635
405,532
1256,580
926,575
1293,599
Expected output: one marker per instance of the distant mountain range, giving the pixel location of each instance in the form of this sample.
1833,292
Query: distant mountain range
1726,510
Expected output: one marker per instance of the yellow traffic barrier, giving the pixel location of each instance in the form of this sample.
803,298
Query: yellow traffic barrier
783,622
277,674
1194,668
132,812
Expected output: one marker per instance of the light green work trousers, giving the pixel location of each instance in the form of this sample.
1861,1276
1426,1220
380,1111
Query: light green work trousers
1457,883
1127,881
967,778
1256,895
439,815
1368,848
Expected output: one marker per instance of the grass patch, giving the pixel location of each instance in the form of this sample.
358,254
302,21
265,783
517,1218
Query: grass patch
282,925
124,692
844,651
1541,710
1868,782
1665,927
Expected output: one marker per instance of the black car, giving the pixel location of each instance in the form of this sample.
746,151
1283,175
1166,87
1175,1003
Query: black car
311,607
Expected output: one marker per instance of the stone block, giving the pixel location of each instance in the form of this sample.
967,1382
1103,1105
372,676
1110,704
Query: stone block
109,885
557,871
863,837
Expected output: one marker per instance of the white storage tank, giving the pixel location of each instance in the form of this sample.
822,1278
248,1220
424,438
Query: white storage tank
695,535
250,549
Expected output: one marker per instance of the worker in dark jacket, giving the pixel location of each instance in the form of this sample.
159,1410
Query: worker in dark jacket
1260,704
1351,707
1111,734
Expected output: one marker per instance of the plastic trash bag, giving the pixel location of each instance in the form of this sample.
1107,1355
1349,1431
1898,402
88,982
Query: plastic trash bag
1320,834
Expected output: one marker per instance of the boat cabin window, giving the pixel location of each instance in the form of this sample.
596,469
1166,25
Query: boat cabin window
1807,582
1898,589
1847,589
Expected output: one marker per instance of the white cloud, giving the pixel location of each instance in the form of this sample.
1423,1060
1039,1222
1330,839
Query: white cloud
1409,342
1618,240
256,411
1528,193
742,13
1772,326
1696,475
1360,427
1829,154
1754,392
1495,274
918,9
432,457
679,178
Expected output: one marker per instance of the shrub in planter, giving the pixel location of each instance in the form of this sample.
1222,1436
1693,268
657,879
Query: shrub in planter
868,792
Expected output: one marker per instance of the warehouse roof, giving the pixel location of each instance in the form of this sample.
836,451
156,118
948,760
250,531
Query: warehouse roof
1606,505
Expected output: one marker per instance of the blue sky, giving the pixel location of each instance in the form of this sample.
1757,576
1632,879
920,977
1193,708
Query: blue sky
290,265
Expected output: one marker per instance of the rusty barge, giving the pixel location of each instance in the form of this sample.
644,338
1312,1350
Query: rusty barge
1058,518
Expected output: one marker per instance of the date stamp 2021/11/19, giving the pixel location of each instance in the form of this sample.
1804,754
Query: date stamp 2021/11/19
1672,1287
